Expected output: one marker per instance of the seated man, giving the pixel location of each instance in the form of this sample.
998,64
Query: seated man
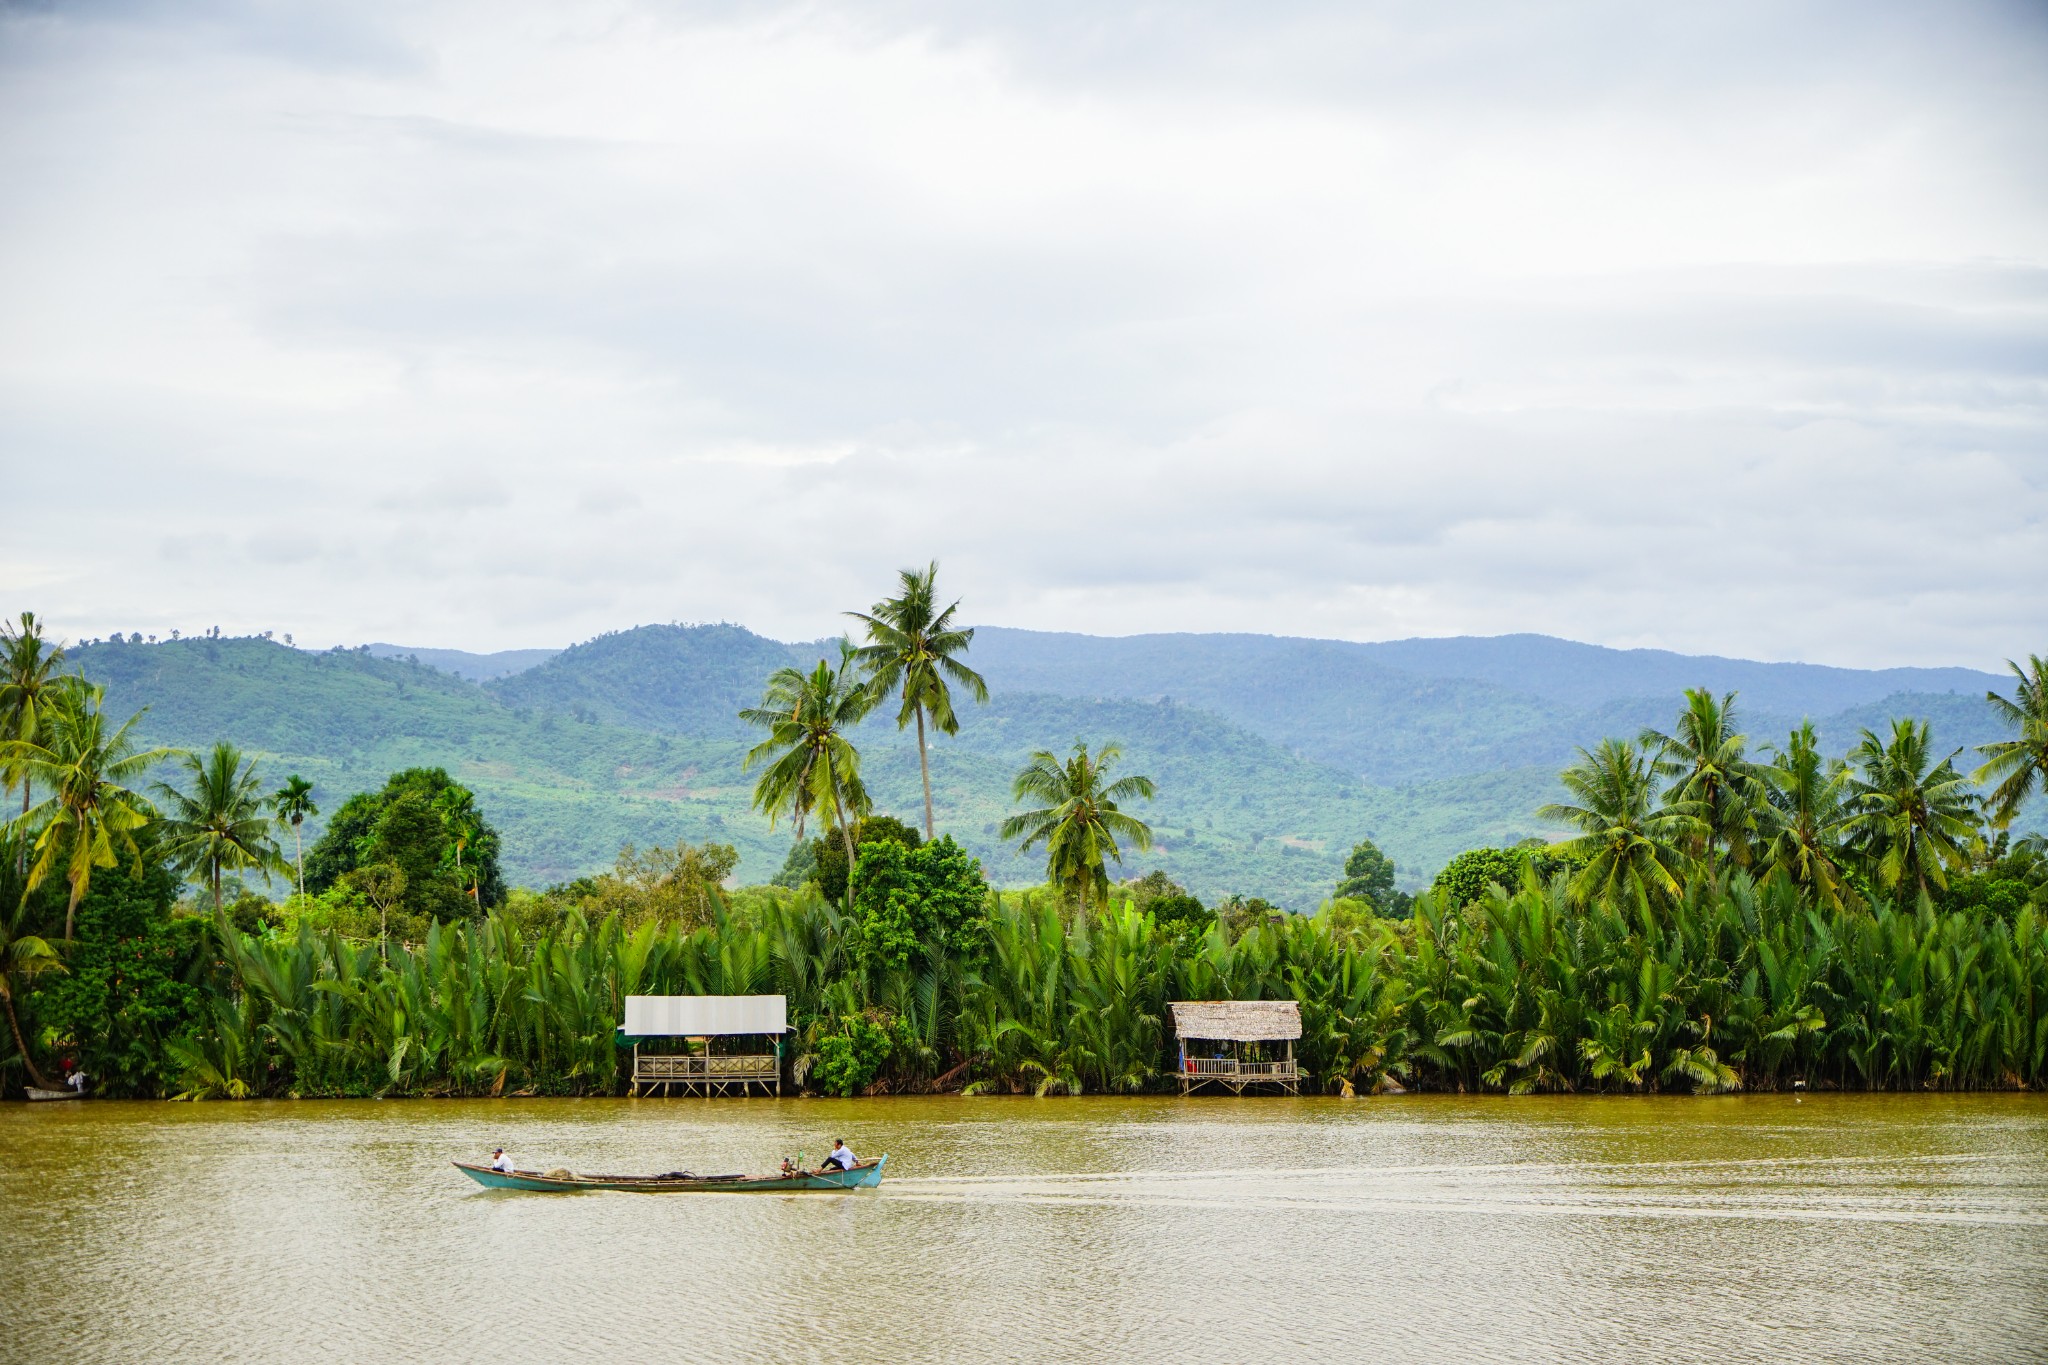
841,1157
501,1162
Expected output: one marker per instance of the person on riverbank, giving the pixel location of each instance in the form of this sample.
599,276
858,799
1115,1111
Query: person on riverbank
501,1162
841,1156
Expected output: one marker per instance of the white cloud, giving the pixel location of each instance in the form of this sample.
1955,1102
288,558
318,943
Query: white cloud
501,325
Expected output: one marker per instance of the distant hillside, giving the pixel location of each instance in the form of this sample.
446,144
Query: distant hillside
463,664
1237,812
1273,756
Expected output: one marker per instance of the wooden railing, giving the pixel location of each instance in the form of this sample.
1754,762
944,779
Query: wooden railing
1283,1070
699,1067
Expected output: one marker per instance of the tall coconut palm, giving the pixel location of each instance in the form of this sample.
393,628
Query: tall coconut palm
1079,822
91,814
1634,847
28,671
911,650
220,825
1710,776
293,805
1916,819
2020,765
813,769
1804,821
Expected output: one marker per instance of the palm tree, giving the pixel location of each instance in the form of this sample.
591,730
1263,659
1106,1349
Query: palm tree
28,671
1804,820
293,805
1079,822
1916,818
911,646
1710,775
23,957
1634,846
2020,765
457,809
90,815
813,770
220,825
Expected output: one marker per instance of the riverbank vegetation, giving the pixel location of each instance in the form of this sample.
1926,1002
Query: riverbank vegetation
1720,916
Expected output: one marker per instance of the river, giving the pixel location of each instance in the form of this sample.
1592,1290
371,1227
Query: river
1763,1228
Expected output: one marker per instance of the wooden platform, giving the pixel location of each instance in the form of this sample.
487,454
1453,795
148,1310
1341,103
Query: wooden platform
702,1074
1235,1075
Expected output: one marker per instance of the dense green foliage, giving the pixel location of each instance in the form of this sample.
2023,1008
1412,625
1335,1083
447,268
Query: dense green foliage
912,901
423,824
1731,986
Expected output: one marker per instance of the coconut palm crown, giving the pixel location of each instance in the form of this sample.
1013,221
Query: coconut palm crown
220,825
1080,821
813,769
2019,766
1635,848
91,815
911,650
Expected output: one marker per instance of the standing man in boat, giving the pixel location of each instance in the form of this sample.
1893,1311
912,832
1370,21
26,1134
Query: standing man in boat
841,1156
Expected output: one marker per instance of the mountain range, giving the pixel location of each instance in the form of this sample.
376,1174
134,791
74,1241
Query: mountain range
1273,755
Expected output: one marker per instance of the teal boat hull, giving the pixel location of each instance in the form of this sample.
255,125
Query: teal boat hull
864,1176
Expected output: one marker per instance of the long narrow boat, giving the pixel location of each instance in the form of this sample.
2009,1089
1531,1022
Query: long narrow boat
864,1175
36,1093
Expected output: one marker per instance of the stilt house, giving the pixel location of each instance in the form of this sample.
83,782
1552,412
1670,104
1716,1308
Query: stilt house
706,1044
1236,1043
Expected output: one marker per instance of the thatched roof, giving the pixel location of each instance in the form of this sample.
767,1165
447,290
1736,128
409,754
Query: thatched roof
1248,1021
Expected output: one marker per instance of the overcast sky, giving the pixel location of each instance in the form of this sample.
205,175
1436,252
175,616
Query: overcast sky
1720,328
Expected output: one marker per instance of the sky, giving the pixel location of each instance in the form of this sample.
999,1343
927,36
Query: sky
1716,328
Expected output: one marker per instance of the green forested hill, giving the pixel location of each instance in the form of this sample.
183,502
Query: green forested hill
634,736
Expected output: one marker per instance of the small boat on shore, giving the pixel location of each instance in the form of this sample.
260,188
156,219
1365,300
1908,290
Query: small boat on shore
864,1175
36,1093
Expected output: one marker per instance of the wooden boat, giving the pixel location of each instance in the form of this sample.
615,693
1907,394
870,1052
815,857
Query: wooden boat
864,1175
35,1093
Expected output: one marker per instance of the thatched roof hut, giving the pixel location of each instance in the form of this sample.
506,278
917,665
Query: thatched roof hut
1243,1021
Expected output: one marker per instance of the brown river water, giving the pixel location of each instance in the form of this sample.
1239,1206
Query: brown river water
1758,1228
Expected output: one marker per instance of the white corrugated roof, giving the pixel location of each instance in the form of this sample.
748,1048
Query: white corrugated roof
704,1016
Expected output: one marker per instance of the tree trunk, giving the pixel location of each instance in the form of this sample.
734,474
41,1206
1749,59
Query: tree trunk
21,853
924,767
71,909
846,836
299,844
21,1043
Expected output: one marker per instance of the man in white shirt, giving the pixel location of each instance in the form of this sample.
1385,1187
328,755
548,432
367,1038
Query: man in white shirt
841,1156
501,1162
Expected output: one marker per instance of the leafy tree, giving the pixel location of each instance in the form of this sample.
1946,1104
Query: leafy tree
1464,879
28,674
1916,819
1368,876
220,825
2020,765
131,984
828,857
665,885
1081,821
911,650
1807,811
293,805
1632,847
1240,914
1710,776
407,825
850,1058
90,816
813,769
907,900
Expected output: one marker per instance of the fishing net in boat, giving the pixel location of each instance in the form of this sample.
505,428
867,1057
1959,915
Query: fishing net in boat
560,1173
